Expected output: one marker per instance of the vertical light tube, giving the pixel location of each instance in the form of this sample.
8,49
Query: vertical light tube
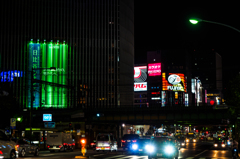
44,73
64,80
49,76
55,73
60,75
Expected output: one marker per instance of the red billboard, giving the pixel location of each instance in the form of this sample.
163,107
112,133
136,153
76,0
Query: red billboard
154,69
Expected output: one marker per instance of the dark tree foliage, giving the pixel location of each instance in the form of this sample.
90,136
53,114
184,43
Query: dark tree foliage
233,94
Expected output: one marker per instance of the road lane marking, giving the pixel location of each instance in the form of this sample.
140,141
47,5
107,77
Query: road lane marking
200,153
115,156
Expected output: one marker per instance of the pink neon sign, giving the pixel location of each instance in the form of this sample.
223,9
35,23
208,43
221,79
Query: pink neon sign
154,69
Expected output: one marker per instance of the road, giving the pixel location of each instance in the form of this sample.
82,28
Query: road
200,150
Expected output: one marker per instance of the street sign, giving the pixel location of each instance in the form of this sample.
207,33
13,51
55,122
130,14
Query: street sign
49,124
47,117
13,123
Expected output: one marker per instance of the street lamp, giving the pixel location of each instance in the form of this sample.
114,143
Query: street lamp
32,80
197,20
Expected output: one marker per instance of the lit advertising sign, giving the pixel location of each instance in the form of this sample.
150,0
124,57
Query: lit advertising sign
47,117
174,82
142,86
140,74
8,76
154,69
34,63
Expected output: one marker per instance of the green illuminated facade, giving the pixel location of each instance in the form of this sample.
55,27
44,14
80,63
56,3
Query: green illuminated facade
53,84
54,55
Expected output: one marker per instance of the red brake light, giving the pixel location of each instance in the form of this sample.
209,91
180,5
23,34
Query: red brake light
73,144
134,140
48,146
60,146
17,146
1,153
92,143
123,140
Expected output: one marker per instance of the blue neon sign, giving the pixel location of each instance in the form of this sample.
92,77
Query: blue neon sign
8,76
47,117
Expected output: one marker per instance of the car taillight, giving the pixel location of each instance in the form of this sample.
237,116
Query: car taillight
59,146
73,144
17,146
1,153
134,140
123,140
93,143
64,143
48,146
107,147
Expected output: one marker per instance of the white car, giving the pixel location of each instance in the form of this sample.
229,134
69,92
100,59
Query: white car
8,148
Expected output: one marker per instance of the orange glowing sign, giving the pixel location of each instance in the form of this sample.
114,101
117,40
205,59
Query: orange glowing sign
174,82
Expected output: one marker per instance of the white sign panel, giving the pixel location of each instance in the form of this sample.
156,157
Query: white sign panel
141,86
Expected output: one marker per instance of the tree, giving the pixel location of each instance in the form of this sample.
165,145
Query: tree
233,100
233,92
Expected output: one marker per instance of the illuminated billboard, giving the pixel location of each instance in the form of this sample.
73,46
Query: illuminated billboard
141,86
8,76
43,56
154,69
140,74
174,82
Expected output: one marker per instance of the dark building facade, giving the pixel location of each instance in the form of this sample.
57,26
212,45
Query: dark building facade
177,77
96,64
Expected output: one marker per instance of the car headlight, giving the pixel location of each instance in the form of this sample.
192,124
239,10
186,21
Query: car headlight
215,145
194,140
187,140
134,146
169,149
183,144
149,148
223,145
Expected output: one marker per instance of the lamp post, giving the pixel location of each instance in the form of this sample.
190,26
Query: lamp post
197,20
32,80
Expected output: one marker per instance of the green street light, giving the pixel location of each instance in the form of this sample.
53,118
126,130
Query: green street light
196,20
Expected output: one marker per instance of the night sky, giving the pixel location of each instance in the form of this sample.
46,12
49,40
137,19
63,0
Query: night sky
160,26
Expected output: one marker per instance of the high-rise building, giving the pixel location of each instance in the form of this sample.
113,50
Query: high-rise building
89,42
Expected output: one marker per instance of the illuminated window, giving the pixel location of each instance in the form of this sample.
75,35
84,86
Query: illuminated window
195,63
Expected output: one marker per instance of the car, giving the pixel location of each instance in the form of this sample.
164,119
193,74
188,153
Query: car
219,144
162,147
181,141
106,142
25,148
140,145
128,140
8,148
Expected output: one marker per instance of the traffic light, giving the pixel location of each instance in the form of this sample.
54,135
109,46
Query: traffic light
83,142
